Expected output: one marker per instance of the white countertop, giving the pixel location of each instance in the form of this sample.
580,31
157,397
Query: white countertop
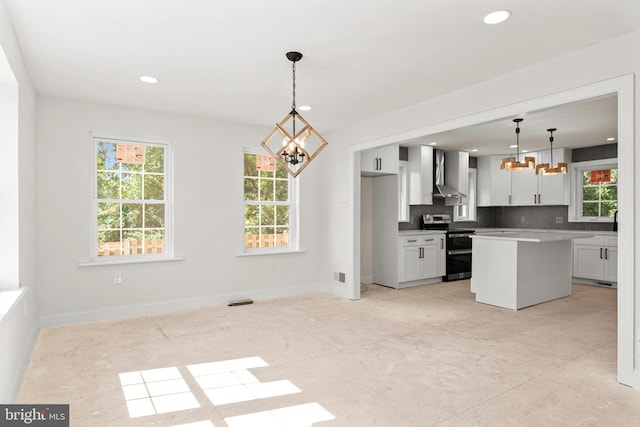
420,232
531,236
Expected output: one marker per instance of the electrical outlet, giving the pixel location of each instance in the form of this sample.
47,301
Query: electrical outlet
523,219
117,279
274,267
559,220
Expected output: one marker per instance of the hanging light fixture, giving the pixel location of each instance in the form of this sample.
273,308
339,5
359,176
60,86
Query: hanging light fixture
300,142
514,163
548,168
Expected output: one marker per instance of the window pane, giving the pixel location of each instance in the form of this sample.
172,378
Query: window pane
132,242
282,236
281,172
109,243
251,215
586,178
251,188
608,209
610,192
282,215
154,159
131,167
268,238
131,186
282,190
266,190
153,241
267,215
108,215
590,209
106,156
250,165
154,216
590,193
132,215
108,185
154,187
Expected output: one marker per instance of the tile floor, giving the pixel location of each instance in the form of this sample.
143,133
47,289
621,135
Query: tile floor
423,356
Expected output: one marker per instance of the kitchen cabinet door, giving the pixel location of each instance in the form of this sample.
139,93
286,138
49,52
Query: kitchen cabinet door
411,268
494,184
611,264
587,262
442,256
380,160
524,185
554,189
421,175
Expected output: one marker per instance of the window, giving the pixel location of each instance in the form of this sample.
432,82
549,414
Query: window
270,204
595,191
467,210
132,206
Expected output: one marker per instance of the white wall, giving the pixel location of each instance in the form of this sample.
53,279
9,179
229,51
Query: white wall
208,218
366,229
586,67
18,328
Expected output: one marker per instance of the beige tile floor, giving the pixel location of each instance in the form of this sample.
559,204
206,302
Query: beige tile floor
424,356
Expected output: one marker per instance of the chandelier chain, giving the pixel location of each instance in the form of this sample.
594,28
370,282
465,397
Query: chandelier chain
293,104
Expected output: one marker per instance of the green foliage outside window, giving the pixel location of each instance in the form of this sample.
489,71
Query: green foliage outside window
599,199
130,201
267,205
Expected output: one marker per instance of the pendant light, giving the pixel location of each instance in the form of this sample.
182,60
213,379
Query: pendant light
300,142
514,163
548,168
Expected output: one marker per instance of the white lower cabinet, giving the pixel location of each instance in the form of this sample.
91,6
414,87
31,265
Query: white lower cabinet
421,257
596,258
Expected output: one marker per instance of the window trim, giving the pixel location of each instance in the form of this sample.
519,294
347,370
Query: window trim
471,201
577,168
294,214
168,254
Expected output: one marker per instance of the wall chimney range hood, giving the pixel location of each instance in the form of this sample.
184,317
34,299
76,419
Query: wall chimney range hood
451,175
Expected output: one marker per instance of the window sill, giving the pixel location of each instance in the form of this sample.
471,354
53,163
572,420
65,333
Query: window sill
272,252
127,261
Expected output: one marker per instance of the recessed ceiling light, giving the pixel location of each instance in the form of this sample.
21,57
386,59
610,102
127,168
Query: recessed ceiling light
433,143
304,108
148,79
497,17
475,150
611,139
513,146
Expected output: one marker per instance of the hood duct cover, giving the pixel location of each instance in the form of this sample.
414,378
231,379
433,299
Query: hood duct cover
451,174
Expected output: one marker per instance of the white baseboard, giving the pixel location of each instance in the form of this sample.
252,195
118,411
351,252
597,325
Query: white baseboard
175,305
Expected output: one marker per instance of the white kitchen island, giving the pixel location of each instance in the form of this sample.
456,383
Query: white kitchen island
521,268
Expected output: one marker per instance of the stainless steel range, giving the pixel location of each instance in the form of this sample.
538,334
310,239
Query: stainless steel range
458,247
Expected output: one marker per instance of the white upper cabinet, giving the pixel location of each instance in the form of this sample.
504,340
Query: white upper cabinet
497,187
554,189
421,175
380,160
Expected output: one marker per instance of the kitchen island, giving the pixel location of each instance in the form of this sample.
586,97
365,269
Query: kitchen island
521,268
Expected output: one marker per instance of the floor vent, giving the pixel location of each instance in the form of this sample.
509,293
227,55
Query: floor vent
235,302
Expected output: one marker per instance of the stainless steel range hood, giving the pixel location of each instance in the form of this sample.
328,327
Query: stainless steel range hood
451,175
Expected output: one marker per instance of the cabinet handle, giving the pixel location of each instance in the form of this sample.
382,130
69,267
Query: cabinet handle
535,197
441,243
428,240
420,253
539,198
606,253
600,253
412,240
509,198
379,163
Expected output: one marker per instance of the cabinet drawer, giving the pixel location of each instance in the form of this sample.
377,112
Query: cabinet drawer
419,240
590,241
611,241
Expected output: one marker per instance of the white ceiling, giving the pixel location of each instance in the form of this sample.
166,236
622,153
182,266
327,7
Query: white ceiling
362,58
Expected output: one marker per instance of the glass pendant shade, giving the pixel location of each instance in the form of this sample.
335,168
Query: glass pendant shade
294,142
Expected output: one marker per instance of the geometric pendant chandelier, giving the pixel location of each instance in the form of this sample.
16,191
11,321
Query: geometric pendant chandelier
294,143
549,168
514,163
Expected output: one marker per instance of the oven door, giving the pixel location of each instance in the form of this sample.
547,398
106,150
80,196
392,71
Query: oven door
458,256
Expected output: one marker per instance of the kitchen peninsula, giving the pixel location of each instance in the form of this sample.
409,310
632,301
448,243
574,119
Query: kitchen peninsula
518,269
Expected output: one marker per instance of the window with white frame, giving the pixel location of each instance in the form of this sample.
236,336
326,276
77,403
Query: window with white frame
131,198
594,195
270,204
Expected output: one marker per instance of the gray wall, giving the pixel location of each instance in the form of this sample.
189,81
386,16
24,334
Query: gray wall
544,217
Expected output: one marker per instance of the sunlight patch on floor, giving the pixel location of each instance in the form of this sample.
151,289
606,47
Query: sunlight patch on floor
292,416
